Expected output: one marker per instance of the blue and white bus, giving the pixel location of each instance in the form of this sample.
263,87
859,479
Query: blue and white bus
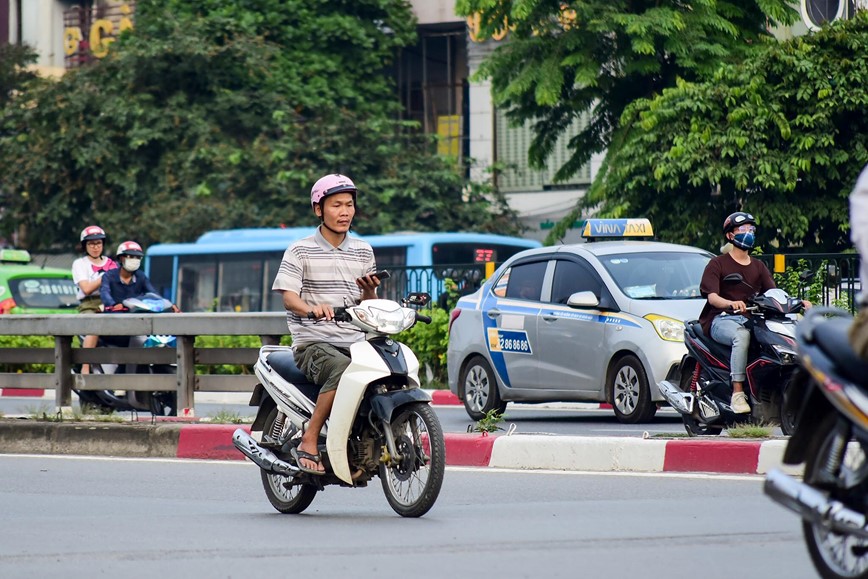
232,270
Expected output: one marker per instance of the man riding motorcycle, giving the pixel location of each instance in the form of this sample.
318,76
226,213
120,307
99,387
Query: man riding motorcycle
725,314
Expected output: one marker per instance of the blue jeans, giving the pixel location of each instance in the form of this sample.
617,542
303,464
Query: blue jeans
730,331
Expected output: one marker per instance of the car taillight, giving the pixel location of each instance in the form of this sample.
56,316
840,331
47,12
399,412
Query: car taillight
452,317
7,305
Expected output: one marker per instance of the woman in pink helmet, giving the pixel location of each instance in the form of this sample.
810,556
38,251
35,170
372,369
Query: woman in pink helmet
87,272
317,274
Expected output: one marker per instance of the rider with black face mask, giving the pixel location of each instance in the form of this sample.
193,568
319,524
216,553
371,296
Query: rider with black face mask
725,313
126,281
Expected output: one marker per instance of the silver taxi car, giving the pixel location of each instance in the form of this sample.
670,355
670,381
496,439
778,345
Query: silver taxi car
598,321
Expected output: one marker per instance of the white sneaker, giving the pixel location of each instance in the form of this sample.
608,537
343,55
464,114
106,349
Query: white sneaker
739,403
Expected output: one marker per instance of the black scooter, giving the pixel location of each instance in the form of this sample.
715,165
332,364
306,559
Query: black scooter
157,403
703,393
831,438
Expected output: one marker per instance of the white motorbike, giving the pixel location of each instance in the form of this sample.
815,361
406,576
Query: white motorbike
381,422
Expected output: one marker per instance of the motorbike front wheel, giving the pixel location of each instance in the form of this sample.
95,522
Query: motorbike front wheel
287,499
837,555
412,481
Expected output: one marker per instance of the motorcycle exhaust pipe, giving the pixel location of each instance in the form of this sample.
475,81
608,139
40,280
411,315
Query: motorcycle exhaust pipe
264,458
680,401
814,506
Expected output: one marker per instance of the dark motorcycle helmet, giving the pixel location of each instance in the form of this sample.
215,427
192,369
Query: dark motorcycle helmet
735,220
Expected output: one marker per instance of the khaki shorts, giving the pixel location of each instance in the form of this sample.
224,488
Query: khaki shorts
323,364
90,305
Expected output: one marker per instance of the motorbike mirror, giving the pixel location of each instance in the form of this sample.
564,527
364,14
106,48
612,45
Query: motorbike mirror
733,278
418,299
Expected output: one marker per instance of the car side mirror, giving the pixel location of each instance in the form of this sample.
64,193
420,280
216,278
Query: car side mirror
583,300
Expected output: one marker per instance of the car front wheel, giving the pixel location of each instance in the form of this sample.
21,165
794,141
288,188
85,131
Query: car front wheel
629,392
479,389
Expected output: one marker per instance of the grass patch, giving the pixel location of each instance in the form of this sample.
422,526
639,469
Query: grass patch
670,435
750,431
488,423
224,416
47,413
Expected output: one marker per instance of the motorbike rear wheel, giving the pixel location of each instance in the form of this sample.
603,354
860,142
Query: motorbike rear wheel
837,555
412,482
287,499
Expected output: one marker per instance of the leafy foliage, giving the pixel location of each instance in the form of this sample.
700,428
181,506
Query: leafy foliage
563,59
429,343
217,115
784,136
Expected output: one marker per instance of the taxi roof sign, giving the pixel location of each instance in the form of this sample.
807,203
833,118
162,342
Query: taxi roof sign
617,228
9,255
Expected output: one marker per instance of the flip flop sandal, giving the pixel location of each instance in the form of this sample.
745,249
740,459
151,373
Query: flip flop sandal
300,454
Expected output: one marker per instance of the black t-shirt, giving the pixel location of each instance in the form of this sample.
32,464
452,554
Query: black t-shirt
755,274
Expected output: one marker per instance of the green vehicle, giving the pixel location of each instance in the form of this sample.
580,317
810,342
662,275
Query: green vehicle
30,289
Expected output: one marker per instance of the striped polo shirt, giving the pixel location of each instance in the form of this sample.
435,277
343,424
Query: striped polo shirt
323,274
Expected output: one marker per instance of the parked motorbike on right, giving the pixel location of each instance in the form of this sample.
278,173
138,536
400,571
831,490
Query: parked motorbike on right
831,439
157,403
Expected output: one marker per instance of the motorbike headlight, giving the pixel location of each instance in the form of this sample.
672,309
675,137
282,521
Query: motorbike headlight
787,355
389,321
788,330
668,329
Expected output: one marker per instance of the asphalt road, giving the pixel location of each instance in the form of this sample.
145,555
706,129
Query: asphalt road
83,518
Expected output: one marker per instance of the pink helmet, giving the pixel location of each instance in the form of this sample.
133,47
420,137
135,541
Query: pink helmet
130,248
329,185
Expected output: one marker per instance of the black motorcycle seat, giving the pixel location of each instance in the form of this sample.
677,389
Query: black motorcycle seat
717,349
832,338
283,363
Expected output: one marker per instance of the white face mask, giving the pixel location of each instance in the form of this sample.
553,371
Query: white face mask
132,264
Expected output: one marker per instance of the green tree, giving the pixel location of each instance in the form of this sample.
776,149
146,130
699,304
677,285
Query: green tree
14,74
783,135
224,118
564,59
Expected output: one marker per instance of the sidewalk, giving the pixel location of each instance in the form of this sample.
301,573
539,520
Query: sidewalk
516,451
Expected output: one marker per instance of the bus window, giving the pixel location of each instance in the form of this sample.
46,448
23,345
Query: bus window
387,257
197,282
273,300
160,274
240,283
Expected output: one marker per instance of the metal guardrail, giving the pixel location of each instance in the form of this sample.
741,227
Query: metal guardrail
269,326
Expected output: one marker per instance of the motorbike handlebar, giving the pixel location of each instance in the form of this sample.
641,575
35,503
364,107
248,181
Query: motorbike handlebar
423,318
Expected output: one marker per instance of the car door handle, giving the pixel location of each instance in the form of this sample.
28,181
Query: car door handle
493,313
550,318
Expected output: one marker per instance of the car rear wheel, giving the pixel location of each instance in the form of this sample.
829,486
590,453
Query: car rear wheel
628,390
479,389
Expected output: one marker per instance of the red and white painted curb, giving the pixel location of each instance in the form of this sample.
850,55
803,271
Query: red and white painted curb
549,452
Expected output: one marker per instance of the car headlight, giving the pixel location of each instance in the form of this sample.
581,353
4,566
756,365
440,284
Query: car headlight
668,329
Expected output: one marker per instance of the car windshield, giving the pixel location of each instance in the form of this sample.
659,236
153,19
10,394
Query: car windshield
667,275
50,293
